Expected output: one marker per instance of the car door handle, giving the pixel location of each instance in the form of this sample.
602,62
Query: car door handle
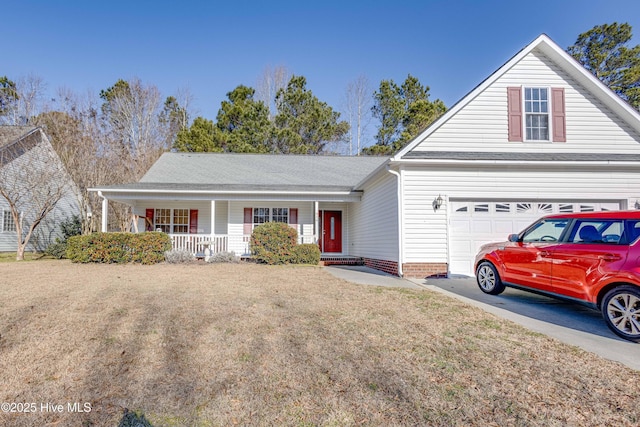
609,257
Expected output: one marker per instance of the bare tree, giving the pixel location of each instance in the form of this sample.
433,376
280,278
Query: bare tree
28,103
33,181
358,110
268,85
75,132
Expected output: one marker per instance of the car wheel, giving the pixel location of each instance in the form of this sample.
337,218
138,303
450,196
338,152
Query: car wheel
488,279
621,311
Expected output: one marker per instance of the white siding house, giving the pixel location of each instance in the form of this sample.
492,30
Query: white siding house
538,136
26,157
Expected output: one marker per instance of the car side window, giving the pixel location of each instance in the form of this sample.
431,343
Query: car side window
597,231
546,230
633,228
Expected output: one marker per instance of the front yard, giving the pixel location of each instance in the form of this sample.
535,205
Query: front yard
245,344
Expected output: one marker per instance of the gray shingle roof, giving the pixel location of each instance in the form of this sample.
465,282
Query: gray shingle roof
257,171
9,134
532,157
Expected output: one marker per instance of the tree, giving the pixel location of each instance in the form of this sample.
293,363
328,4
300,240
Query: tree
175,117
244,123
304,124
358,107
8,95
135,134
202,136
604,51
404,111
268,85
32,194
21,101
133,114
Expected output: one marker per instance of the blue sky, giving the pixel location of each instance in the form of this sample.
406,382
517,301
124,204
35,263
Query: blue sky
211,47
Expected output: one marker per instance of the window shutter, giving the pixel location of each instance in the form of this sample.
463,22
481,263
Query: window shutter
148,222
248,220
293,217
193,221
558,115
514,108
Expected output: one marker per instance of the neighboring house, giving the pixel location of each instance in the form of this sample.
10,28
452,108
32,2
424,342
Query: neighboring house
22,149
540,135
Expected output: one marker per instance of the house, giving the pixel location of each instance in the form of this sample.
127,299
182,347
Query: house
33,175
540,135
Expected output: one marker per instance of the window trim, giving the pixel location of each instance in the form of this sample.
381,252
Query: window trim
548,113
170,227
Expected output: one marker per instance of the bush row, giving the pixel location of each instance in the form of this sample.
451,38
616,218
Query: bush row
144,248
276,243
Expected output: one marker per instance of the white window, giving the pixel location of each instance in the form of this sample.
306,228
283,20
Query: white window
262,215
8,225
536,110
181,220
280,215
163,220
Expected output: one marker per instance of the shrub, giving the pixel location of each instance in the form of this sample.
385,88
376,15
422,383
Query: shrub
145,248
307,253
69,228
224,257
273,243
176,256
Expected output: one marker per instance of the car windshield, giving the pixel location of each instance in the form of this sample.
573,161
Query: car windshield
546,230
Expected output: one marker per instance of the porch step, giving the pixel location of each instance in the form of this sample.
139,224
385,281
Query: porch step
341,260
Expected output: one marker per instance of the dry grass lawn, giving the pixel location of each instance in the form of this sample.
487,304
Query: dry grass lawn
245,344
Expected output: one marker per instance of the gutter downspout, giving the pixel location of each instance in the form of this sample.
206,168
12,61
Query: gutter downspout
399,200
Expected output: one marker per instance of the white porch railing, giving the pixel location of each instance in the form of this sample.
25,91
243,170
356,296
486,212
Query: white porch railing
197,243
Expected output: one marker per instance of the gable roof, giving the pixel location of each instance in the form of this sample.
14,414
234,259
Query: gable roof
561,58
11,134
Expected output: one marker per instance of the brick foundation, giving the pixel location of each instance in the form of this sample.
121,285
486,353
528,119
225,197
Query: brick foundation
390,267
425,269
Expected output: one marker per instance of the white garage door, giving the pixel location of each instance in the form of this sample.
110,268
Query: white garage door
474,223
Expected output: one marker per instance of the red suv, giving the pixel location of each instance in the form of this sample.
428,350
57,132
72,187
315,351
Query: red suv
592,258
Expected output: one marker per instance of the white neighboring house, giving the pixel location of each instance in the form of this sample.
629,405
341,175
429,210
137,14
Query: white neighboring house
28,159
540,135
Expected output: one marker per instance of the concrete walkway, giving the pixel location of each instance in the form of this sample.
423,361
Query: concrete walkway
368,276
572,324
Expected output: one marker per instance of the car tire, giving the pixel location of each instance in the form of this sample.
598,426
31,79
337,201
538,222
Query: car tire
488,279
621,311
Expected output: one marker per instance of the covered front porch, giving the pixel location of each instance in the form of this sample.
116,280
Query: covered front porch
217,226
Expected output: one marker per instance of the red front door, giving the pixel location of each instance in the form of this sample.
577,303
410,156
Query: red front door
332,231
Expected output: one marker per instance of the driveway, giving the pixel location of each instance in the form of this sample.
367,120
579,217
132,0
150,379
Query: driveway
568,322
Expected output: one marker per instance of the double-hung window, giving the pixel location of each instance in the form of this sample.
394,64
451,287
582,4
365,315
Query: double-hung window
8,225
536,110
262,215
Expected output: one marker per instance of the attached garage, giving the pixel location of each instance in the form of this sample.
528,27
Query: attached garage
476,222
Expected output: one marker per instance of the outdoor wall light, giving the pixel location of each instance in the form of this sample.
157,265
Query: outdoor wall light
437,203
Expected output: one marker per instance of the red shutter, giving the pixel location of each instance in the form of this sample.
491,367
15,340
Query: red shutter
148,221
293,217
514,108
193,221
558,115
248,220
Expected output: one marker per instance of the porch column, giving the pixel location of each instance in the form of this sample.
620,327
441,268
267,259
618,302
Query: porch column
105,212
213,218
316,222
